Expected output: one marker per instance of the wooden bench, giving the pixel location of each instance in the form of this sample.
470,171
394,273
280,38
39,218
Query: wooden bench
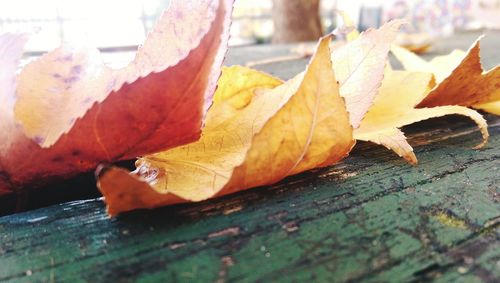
370,218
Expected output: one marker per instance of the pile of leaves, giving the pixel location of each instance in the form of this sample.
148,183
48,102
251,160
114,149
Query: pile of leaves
203,131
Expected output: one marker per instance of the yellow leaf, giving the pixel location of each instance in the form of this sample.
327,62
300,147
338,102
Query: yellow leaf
201,169
460,76
492,107
440,66
394,107
251,138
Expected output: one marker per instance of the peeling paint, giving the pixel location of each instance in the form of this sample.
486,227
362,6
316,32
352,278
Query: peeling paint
232,210
176,246
233,231
290,226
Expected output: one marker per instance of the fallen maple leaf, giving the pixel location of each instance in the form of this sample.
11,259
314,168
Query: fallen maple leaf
394,107
359,67
251,138
460,79
73,112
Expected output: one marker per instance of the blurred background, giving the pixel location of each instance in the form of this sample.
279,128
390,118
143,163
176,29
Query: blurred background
123,24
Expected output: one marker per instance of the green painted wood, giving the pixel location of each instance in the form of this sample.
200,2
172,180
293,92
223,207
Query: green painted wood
371,218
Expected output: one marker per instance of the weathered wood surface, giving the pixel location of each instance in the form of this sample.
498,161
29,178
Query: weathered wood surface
371,218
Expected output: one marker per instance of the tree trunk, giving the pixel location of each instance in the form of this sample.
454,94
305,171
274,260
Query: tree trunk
296,20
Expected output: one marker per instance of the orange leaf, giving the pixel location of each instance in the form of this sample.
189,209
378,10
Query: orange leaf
252,138
461,79
73,112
